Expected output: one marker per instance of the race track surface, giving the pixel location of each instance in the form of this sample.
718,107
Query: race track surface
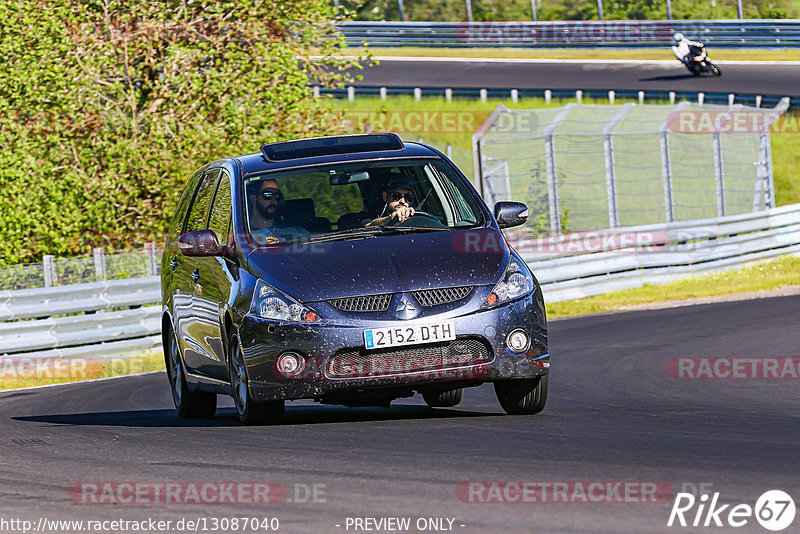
613,414
769,79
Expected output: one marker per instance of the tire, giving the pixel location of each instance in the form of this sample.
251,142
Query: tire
713,69
522,396
189,404
250,412
443,399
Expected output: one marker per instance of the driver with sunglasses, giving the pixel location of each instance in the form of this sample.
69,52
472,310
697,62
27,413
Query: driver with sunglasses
398,198
268,204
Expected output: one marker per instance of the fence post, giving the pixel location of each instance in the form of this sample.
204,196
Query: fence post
315,91
769,194
448,94
666,167
417,94
641,97
608,148
611,96
49,271
514,96
484,95
99,263
351,93
718,174
382,91
150,250
579,96
552,176
548,96
669,10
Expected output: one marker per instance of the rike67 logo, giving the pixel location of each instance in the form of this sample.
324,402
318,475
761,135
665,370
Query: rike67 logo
774,510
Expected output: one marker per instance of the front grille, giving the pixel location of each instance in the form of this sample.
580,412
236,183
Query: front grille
370,303
366,364
434,297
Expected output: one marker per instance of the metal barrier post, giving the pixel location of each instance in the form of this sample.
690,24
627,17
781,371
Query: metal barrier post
49,271
150,250
99,263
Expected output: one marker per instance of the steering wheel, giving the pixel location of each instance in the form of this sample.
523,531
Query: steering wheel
420,219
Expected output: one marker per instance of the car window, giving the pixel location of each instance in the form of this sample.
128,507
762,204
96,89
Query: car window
292,205
220,217
176,226
198,215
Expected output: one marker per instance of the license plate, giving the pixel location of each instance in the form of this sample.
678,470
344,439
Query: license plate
398,336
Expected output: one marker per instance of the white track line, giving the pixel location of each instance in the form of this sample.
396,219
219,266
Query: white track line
79,381
569,61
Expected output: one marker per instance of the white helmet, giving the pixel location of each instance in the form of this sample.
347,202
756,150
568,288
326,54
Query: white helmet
678,36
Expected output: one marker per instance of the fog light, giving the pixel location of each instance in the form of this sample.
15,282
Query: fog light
290,364
518,340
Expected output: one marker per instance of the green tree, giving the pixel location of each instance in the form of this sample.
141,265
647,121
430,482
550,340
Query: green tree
107,106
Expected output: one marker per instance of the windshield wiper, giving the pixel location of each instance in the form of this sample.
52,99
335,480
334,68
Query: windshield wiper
370,231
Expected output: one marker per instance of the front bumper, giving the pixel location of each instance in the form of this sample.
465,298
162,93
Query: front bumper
264,340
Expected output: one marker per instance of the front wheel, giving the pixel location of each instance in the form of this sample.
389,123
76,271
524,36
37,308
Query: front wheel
189,404
525,396
250,412
713,69
443,399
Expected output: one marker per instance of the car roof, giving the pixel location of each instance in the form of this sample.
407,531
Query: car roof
257,163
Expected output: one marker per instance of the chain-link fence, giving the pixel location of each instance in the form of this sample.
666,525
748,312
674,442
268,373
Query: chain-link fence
82,269
586,167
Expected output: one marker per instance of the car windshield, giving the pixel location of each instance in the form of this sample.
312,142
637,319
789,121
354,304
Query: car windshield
358,199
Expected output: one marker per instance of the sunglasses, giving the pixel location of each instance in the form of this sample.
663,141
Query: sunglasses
267,195
394,196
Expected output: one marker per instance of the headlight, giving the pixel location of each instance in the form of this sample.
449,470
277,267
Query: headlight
270,303
515,282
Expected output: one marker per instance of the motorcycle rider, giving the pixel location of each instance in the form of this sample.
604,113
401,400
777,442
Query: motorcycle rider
682,48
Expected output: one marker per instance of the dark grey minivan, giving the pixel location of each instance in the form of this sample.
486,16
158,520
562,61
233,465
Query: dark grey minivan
350,270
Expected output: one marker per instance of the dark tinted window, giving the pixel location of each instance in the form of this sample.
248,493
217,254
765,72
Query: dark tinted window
202,200
176,227
220,218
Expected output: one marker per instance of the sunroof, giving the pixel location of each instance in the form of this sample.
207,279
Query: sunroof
324,146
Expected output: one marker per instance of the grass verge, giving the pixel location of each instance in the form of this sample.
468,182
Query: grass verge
761,276
20,372
744,54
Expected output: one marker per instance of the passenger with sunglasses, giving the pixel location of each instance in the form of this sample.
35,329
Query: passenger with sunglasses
399,201
267,205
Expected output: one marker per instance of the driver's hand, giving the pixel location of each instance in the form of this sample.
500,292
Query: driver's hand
401,213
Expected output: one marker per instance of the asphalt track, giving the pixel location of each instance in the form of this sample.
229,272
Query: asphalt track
744,77
613,414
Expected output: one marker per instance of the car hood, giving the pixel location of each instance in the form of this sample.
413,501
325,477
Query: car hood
384,264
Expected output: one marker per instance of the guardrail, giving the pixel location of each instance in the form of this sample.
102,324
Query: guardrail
86,320
759,33
352,92
590,263
110,319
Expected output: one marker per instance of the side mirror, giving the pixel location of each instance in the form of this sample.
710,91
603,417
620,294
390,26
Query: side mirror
201,243
510,214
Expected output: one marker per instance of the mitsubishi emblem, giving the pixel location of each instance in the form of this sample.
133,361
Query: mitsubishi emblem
405,308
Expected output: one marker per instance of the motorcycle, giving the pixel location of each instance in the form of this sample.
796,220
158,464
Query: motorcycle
698,62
